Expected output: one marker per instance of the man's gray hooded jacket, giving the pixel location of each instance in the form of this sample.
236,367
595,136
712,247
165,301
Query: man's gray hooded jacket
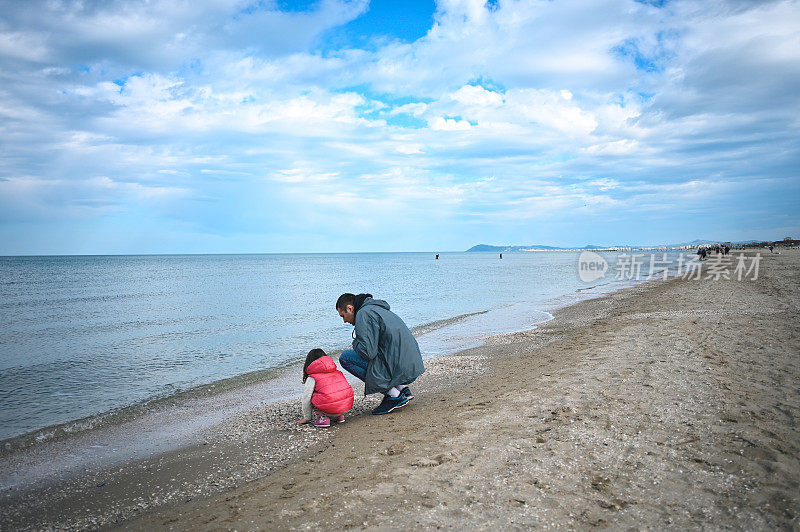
382,339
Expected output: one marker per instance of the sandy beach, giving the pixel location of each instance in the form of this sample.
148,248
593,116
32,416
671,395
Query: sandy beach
671,404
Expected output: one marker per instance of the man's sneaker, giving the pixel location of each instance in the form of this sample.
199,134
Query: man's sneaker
390,403
323,421
406,392
339,419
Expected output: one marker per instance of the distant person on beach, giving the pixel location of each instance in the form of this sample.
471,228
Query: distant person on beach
701,252
326,390
385,354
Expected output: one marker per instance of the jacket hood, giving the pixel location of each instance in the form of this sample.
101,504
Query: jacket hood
360,299
322,365
377,302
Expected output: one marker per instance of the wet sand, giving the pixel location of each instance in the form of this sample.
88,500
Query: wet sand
669,404
110,475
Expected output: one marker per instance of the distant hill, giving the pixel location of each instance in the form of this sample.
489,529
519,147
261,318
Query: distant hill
539,247
697,242
486,247
535,247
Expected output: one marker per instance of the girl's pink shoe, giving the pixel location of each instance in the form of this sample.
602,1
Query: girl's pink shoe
339,419
323,421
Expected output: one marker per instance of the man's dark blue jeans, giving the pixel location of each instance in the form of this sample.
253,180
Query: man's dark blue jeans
352,362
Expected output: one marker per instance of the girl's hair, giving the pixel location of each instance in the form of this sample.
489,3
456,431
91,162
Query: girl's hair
312,355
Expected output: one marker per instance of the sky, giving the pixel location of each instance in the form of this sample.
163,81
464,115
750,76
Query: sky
260,126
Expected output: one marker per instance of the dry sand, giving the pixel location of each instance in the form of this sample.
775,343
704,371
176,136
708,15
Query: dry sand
672,404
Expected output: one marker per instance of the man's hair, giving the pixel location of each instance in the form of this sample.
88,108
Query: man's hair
344,300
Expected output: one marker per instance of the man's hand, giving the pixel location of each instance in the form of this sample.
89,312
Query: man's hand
302,421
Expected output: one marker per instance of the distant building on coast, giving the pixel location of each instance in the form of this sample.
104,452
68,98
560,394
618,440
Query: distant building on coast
787,242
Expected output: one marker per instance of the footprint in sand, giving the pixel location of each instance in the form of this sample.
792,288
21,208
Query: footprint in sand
432,462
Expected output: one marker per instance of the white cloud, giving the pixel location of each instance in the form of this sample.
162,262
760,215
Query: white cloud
476,96
616,147
605,184
415,109
450,124
166,33
536,108
409,149
21,45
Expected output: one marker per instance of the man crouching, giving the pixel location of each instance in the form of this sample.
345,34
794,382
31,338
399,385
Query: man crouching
385,354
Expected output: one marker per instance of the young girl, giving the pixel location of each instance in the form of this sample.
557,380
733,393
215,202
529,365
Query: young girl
326,389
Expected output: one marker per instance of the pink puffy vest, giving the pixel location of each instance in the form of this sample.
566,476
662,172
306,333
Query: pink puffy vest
332,393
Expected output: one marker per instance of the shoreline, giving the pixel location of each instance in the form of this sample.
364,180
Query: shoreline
262,446
257,442
210,390
61,467
249,382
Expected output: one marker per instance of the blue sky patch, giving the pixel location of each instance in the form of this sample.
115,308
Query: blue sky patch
406,20
405,121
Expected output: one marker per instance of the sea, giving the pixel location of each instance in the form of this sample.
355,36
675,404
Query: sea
82,336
